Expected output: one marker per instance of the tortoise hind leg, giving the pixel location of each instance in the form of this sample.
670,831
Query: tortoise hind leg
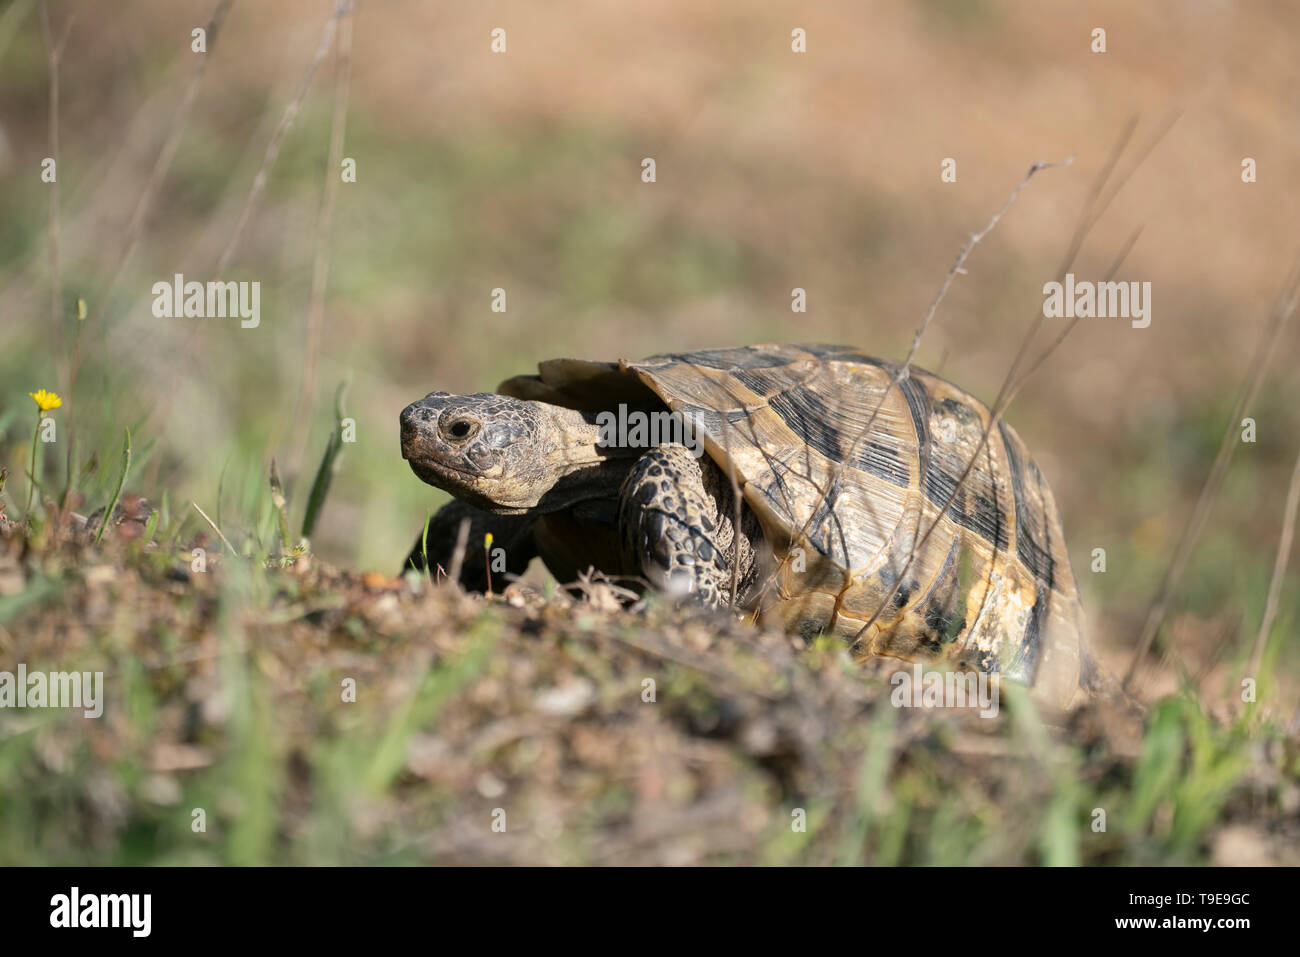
512,534
675,526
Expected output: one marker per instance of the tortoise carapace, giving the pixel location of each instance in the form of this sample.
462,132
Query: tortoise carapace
854,518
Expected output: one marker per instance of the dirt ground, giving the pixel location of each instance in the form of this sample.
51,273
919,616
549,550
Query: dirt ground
521,171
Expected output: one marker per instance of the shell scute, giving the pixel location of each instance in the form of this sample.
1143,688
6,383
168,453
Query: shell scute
921,536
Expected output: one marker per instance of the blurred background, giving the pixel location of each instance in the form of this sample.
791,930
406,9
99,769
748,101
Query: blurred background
775,170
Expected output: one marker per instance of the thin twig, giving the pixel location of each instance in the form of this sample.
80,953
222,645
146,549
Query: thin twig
135,227
277,138
1282,311
321,256
458,556
1069,326
904,369
735,510
1279,567
52,53
166,154
958,267
223,538
163,410
1092,211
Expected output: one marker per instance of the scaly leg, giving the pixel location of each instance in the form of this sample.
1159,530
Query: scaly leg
676,525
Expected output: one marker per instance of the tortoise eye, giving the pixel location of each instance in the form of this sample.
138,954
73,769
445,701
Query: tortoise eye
458,428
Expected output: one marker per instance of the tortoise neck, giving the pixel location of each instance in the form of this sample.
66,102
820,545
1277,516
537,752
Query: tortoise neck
589,467
583,442
584,483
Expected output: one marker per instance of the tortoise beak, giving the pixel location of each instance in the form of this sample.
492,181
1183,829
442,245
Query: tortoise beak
416,420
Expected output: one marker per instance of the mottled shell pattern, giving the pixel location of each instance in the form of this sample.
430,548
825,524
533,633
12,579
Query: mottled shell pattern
847,474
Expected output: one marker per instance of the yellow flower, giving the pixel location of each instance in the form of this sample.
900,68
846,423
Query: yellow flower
46,400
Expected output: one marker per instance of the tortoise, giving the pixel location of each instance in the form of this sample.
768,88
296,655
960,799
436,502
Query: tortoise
854,519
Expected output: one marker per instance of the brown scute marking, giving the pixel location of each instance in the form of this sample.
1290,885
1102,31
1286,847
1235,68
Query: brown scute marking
809,418
971,509
846,354
941,607
761,382
918,404
1030,523
795,416
812,421
810,628
827,532
777,474
887,573
862,359
941,618
727,360
1063,583
959,411
882,461
948,572
778,484
1024,663
708,421
825,351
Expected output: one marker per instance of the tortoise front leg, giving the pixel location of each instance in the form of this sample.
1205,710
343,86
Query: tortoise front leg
513,534
670,527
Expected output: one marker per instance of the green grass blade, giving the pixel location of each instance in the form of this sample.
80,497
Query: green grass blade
424,546
282,515
121,483
320,485
221,486
150,528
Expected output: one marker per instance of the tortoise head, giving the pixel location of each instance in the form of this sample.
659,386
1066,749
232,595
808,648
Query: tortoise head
496,452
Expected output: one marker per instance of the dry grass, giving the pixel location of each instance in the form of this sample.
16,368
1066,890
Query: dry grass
475,172
225,692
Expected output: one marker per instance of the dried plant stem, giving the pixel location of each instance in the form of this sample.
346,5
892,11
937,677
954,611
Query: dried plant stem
958,267
117,490
31,469
1097,201
321,256
904,369
280,504
458,556
1279,568
277,138
735,513
1282,312
53,52
166,154
259,183
68,374
1069,326
225,541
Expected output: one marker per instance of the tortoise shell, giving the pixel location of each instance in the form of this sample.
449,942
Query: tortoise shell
846,474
